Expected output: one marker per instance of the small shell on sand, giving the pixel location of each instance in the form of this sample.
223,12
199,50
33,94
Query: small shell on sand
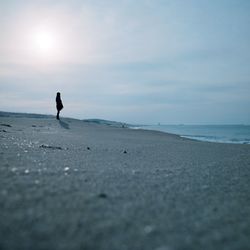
149,229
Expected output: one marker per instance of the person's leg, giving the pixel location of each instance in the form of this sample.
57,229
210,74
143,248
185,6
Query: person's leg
57,116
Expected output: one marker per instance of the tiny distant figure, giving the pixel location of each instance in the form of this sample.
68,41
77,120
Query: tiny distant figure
59,105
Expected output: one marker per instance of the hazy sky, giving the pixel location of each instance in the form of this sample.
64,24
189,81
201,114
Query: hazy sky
143,61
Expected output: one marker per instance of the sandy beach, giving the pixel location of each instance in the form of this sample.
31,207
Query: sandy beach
75,185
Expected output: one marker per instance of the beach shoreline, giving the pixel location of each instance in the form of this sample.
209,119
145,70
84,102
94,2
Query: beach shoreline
234,134
73,184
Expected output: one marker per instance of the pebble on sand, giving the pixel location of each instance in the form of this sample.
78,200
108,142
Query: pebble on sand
102,195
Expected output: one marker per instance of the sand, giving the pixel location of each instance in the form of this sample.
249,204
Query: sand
81,185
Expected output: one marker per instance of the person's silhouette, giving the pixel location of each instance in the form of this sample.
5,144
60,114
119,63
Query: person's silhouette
59,105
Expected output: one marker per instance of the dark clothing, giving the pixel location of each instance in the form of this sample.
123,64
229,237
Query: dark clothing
59,105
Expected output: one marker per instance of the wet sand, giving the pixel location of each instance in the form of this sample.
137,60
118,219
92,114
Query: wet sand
71,184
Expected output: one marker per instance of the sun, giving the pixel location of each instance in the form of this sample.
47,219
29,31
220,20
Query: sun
45,41
47,44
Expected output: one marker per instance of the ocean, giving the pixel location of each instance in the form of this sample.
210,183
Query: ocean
239,134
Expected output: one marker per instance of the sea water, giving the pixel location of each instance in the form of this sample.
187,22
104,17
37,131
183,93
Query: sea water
213,133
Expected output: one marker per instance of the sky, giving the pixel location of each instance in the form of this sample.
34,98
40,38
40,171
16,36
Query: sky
144,61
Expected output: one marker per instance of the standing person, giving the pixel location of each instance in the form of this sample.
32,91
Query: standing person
59,105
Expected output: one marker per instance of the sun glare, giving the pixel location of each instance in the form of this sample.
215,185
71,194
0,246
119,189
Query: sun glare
44,41
46,45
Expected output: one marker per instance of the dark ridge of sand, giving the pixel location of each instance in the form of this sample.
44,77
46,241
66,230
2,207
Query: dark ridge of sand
78,185
24,115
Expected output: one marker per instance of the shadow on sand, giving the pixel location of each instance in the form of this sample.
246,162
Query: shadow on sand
64,124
